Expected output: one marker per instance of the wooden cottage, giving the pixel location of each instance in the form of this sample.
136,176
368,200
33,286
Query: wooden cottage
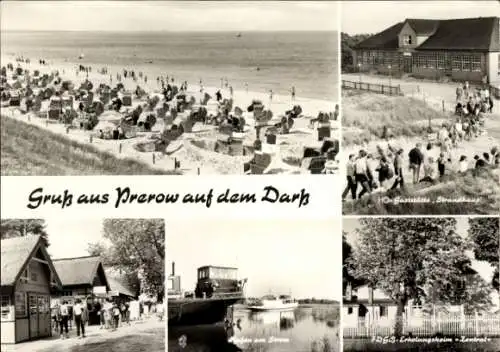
81,277
28,280
465,49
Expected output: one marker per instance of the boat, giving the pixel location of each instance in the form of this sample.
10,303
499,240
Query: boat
239,35
81,56
273,303
217,290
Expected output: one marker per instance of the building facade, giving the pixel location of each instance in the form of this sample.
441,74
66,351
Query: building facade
459,49
28,280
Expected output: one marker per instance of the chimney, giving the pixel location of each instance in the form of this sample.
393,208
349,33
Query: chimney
173,268
370,295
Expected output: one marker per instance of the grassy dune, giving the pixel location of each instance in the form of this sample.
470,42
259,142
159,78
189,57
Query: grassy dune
30,150
365,115
482,186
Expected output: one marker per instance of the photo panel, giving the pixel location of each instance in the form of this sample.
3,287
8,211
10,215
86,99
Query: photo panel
423,284
68,284
254,285
123,90
420,100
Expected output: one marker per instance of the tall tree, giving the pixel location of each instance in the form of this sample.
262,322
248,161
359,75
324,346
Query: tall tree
137,248
411,258
485,234
23,227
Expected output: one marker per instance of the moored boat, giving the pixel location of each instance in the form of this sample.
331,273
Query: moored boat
273,303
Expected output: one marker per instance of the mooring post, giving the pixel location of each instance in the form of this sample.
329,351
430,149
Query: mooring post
443,106
154,158
198,171
120,148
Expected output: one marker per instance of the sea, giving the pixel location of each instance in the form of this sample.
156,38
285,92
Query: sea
264,61
302,330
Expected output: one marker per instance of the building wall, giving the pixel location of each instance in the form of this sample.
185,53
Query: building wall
349,320
407,30
22,329
8,332
493,68
42,282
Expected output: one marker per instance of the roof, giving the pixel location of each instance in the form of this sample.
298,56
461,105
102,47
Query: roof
77,271
387,39
480,34
422,26
15,255
117,285
216,267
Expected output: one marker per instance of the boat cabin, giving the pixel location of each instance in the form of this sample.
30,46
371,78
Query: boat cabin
216,281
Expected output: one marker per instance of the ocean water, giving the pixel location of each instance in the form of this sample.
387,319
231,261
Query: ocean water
264,60
297,331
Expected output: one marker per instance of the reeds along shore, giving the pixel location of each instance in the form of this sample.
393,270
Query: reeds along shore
128,104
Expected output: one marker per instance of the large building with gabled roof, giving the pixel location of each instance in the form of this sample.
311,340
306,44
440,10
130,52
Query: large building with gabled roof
465,49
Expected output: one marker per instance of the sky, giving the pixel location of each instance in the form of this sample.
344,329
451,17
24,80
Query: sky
237,16
69,238
349,225
301,258
374,16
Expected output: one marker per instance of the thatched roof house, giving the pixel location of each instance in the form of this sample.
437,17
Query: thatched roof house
79,276
28,277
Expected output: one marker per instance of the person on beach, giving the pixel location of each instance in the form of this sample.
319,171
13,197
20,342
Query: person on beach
361,173
231,91
384,171
116,316
80,316
480,163
246,87
226,83
463,164
336,112
416,158
428,171
293,93
351,178
398,170
270,95
442,164
218,96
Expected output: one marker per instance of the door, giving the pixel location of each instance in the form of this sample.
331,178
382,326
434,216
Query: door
33,304
44,316
407,64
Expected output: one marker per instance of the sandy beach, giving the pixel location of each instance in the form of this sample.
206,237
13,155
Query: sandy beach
193,149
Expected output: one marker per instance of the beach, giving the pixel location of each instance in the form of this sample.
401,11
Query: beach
194,150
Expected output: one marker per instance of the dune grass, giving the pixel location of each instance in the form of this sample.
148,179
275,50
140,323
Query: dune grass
366,114
480,186
31,150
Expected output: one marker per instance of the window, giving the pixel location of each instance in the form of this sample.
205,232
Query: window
67,293
6,310
475,63
21,305
432,60
350,310
466,59
456,63
440,61
407,40
498,65
33,276
383,311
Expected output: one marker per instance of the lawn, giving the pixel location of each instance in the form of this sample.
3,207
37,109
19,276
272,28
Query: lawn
366,114
154,341
31,150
